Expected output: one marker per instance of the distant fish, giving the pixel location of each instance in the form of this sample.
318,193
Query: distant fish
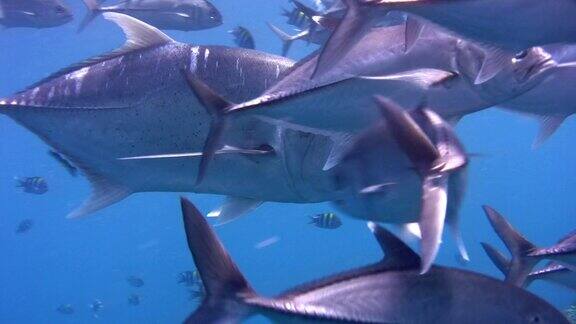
96,307
24,226
134,300
135,281
242,37
63,162
197,293
189,278
33,185
267,242
326,220
525,255
183,15
66,309
34,13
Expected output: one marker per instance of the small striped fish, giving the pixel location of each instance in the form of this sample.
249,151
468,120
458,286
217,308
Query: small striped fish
326,220
242,37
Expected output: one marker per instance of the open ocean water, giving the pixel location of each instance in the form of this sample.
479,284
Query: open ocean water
62,261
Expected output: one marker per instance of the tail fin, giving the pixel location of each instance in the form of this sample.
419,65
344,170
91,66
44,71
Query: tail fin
220,275
93,10
497,258
286,39
521,265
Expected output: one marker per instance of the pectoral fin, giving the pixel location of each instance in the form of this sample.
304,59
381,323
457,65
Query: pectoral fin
432,216
233,208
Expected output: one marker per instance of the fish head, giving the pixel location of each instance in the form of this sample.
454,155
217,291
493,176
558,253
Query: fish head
517,74
202,16
46,14
531,66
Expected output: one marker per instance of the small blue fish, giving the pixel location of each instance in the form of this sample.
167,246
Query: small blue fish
134,300
96,307
34,185
24,226
326,220
243,38
135,281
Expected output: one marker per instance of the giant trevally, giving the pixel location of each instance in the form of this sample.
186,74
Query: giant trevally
389,291
512,25
34,13
552,272
551,101
163,14
526,255
340,100
136,101
425,184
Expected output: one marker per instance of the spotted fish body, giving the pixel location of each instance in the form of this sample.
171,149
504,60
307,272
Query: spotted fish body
34,13
137,102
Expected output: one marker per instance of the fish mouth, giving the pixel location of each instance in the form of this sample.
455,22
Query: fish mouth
543,66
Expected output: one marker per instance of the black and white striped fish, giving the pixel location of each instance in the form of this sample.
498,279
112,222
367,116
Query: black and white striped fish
326,220
242,37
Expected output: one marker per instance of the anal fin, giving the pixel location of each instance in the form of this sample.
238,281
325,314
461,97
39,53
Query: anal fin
432,216
548,126
104,194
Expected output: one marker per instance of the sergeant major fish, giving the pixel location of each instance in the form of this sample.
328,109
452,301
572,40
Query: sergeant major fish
183,15
389,291
34,13
243,38
326,220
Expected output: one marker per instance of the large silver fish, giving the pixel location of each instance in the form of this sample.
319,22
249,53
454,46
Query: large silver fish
389,291
551,101
34,13
163,14
135,101
526,255
409,169
513,25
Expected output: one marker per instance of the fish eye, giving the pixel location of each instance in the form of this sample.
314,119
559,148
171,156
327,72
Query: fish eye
60,9
521,55
535,319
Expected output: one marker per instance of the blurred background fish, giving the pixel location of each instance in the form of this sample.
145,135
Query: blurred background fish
33,185
65,309
134,300
326,220
185,15
34,13
135,281
24,226
242,37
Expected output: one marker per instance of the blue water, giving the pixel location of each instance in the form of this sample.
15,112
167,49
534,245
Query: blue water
61,261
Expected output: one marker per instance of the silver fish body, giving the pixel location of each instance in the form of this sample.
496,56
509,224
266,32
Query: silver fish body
34,13
340,98
138,103
183,15
514,25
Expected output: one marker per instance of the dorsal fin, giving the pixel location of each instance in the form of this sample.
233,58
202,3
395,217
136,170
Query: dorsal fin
397,253
139,35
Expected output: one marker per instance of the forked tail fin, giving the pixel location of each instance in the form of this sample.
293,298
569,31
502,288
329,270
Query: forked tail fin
93,10
521,264
226,287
